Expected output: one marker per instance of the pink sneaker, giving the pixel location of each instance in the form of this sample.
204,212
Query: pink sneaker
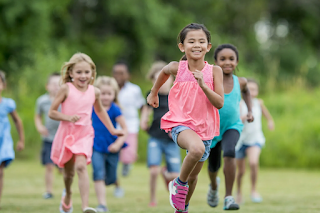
178,194
183,211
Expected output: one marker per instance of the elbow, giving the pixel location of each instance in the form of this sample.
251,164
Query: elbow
50,114
220,103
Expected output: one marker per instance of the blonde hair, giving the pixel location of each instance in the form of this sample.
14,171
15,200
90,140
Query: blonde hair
3,77
76,58
156,67
106,80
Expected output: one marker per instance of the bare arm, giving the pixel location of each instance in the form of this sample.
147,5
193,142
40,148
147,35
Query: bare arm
170,69
103,116
18,123
116,146
246,97
267,115
60,98
39,125
215,97
144,120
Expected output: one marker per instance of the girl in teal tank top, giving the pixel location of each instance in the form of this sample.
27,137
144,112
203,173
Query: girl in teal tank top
226,56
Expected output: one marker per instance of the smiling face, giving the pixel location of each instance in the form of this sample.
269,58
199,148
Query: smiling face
195,45
81,74
107,95
121,74
227,60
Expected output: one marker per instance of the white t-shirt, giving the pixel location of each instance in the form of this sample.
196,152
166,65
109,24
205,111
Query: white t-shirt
252,132
131,100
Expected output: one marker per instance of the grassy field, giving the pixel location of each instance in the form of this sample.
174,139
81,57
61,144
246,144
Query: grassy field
294,191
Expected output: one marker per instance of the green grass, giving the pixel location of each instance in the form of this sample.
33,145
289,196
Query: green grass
294,191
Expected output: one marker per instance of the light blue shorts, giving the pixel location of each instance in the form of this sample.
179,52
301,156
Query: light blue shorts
175,132
241,153
157,147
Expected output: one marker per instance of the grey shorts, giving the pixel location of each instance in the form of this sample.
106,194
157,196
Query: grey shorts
175,132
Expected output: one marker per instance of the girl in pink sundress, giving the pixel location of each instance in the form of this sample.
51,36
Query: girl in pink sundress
193,116
73,142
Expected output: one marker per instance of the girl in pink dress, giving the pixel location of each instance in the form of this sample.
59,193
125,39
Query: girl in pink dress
73,142
193,116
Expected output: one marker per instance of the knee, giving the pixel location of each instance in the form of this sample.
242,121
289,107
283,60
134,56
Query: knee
241,172
154,171
197,151
253,164
80,168
68,174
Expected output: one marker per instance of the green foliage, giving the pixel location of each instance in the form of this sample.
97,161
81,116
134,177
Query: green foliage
37,37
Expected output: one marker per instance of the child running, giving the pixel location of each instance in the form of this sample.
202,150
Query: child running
251,141
73,142
160,142
226,56
47,130
8,106
193,116
106,147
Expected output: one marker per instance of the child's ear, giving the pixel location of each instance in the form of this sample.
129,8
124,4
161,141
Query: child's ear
181,47
209,47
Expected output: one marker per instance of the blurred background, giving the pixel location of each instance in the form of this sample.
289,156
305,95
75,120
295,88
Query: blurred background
278,43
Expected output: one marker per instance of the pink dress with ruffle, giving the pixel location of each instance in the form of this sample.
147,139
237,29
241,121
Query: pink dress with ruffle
75,138
189,106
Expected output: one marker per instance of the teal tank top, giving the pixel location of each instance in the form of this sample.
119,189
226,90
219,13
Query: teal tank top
230,112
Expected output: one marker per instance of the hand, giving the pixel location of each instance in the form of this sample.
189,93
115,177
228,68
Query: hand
250,117
199,77
43,131
20,145
117,132
74,118
271,125
153,100
114,148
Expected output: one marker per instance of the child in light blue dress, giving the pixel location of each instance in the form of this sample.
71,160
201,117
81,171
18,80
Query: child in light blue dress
7,106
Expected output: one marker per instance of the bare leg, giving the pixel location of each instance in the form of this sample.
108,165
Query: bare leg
253,157
154,172
241,170
171,175
1,178
229,170
193,179
100,189
213,178
84,184
189,140
49,177
68,174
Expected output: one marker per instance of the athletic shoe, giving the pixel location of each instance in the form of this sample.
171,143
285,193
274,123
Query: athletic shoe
178,194
47,195
152,204
126,169
101,208
89,210
118,192
256,199
230,204
182,211
213,195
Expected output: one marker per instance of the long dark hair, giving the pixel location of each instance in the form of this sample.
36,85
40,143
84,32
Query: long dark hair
193,26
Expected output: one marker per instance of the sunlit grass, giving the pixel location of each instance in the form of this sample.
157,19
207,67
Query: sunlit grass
294,191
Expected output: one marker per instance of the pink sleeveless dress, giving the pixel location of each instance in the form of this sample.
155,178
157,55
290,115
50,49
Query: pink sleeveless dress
189,106
75,138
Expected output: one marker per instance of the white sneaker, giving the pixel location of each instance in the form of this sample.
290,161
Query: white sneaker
118,192
213,195
230,204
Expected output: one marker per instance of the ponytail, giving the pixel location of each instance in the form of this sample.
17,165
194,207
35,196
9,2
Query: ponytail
184,58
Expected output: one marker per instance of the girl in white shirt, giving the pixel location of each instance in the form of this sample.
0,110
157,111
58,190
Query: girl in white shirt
251,141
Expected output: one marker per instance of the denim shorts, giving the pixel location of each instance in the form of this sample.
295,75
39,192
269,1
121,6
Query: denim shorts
157,147
241,153
175,132
46,152
105,166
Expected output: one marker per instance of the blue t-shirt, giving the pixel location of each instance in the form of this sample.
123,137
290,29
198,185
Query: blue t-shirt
102,136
